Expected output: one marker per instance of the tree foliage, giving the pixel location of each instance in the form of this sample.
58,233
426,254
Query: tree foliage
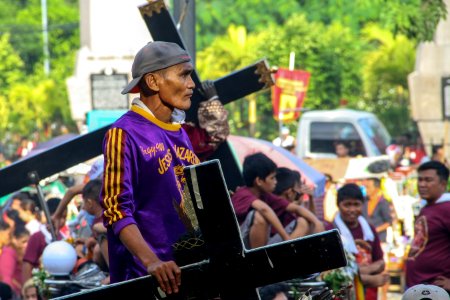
332,54
387,64
360,51
29,98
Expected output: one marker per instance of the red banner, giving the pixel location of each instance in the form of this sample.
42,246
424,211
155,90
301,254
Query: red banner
289,93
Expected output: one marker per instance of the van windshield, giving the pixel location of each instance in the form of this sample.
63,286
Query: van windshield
324,136
376,132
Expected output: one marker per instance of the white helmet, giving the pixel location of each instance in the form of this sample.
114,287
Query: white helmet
59,258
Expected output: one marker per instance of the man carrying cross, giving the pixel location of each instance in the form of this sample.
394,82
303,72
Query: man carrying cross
145,151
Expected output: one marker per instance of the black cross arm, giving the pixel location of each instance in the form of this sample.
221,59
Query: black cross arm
233,86
51,161
247,269
229,270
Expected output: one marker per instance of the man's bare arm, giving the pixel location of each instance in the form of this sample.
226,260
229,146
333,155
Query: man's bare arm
167,273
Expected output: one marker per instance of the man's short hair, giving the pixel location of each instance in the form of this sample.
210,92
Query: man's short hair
52,204
92,190
286,179
349,191
435,148
269,292
255,166
441,169
343,143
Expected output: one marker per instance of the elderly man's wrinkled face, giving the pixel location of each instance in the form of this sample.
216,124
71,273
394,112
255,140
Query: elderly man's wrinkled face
176,86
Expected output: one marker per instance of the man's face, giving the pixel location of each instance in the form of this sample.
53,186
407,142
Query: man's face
88,206
176,86
30,293
430,186
269,183
350,210
341,150
371,189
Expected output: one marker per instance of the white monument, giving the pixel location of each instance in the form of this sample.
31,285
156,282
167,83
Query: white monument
426,85
112,31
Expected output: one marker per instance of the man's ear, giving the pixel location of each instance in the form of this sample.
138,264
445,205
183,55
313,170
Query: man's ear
152,81
258,181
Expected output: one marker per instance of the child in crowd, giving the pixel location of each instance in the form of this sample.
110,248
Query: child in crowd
259,211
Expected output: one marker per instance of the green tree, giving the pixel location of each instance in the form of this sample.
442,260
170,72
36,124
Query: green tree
331,53
11,67
386,67
26,32
214,17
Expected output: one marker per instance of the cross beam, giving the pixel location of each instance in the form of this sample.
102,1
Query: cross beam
51,161
230,271
233,86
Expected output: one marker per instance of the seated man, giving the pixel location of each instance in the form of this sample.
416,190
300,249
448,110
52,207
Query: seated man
360,238
258,210
289,187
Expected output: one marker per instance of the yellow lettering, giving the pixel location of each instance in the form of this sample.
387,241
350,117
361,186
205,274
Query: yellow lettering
165,162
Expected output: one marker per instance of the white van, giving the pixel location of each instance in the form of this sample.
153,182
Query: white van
319,130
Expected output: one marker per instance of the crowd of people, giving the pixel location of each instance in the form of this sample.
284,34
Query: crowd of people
134,209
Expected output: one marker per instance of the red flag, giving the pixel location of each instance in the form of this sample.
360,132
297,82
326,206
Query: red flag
289,93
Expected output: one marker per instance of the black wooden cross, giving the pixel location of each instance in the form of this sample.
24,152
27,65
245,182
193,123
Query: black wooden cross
231,87
230,271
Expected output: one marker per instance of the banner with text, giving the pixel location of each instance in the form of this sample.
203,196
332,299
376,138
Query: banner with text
288,93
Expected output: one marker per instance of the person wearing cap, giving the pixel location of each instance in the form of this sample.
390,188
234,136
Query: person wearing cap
285,140
425,292
145,151
429,255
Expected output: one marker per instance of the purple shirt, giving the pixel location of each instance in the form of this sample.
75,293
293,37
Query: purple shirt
143,185
242,202
429,255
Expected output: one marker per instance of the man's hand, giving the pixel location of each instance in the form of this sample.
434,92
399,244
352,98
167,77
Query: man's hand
443,282
168,275
209,90
307,190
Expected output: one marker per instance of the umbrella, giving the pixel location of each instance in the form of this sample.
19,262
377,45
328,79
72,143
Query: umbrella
44,146
244,146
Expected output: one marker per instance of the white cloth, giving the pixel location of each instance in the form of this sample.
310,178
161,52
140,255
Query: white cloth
178,115
48,235
346,236
444,198
33,226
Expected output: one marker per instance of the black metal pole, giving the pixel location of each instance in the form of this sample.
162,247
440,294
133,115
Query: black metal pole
34,179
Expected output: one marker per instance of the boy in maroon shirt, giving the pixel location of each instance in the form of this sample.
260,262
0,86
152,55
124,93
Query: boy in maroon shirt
360,238
258,210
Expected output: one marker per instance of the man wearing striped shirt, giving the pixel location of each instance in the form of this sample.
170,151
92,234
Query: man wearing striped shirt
145,152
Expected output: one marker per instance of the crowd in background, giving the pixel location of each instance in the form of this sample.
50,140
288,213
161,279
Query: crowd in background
275,205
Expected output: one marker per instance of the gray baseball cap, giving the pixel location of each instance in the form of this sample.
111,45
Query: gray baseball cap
152,57
425,291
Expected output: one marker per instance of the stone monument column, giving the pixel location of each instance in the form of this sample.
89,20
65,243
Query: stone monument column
112,31
427,85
